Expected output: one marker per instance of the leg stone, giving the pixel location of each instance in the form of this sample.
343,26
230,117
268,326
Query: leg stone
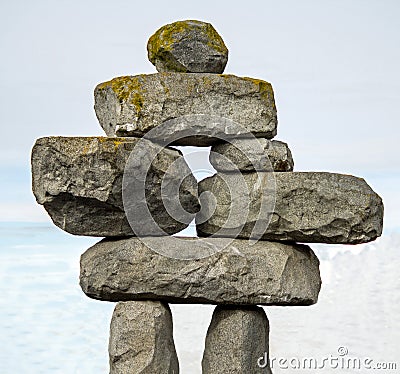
141,339
237,341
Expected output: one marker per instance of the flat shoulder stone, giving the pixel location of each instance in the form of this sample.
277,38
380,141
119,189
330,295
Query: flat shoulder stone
188,46
265,273
78,180
186,109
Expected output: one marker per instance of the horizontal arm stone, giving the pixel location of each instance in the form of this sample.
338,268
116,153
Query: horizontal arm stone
310,207
78,180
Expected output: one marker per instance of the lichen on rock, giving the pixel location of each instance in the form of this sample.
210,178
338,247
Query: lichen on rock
188,47
134,105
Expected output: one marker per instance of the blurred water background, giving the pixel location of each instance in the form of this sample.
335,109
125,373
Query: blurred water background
334,69
48,325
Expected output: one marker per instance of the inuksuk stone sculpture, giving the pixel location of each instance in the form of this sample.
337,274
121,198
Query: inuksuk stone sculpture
136,191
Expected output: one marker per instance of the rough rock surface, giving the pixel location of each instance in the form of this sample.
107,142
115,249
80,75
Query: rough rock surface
265,273
134,105
141,339
237,341
313,207
187,47
78,180
244,155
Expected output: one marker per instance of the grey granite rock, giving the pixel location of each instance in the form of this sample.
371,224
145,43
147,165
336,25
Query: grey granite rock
265,273
141,340
189,47
246,155
198,107
237,341
313,207
78,180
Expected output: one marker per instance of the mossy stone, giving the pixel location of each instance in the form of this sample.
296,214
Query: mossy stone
134,105
187,47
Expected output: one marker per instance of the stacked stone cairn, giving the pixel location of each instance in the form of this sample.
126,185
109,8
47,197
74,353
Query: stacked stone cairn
84,184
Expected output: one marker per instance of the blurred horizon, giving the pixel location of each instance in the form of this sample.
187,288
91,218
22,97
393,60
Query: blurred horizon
49,326
334,67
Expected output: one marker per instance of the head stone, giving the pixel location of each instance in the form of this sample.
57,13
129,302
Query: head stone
187,47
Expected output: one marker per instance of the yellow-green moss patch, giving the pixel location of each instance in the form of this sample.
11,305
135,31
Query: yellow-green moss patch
162,41
128,89
264,88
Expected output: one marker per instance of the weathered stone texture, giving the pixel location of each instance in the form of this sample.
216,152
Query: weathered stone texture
134,105
141,340
78,180
189,47
310,207
237,341
265,273
246,155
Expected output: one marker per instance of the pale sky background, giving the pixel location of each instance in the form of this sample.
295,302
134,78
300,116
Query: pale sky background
334,66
